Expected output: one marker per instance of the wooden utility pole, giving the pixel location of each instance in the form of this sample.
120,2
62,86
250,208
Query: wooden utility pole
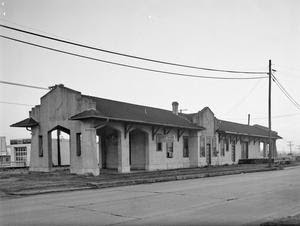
290,144
248,119
270,86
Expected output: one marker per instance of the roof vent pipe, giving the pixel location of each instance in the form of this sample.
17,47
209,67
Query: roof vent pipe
175,107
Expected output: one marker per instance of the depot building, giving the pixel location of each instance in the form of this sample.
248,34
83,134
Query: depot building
107,134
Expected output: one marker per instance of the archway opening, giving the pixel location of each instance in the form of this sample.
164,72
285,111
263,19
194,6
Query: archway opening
59,147
109,146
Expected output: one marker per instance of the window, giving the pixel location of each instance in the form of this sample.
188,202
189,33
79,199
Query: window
222,148
261,146
159,146
41,146
185,147
78,144
169,149
21,154
227,144
202,146
214,147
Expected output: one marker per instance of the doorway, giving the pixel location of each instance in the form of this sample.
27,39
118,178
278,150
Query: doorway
59,146
138,143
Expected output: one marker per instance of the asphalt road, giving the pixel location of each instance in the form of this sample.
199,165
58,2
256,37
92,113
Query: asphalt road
228,200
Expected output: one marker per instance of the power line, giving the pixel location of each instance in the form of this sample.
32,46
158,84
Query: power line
24,85
13,103
275,116
128,55
286,93
127,65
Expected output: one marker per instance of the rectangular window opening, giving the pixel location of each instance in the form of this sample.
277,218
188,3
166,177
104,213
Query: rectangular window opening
227,144
78,144
202,146
159,146
41,152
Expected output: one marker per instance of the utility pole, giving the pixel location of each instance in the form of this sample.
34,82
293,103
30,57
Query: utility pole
290,144
270,80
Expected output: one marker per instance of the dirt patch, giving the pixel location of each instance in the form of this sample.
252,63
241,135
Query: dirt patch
290,220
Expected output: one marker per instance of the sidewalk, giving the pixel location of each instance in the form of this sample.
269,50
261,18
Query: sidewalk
17,184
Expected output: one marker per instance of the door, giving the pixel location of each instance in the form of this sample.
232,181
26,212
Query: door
208,154
233,152
245,150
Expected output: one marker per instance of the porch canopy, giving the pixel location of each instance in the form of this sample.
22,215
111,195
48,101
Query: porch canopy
29,122
109,110
256,132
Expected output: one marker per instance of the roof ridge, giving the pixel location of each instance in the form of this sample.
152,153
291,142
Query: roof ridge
234,122
127,103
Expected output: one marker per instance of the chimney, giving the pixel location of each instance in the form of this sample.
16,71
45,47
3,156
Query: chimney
175,107
248,119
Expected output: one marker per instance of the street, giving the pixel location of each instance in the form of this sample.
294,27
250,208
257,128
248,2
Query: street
248,199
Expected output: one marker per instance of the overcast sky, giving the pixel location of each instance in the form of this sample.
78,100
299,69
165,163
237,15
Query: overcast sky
232,34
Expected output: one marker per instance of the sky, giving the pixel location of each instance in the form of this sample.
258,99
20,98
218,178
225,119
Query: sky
232,34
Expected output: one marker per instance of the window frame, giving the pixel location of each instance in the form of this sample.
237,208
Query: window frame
78,144
170,153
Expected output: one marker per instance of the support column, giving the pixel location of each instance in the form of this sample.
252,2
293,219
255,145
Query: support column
194,146
37,162
123,153
265,150
89,150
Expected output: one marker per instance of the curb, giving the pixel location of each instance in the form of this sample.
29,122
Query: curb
120,183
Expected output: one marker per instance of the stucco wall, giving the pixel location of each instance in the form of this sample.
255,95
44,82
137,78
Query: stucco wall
56,108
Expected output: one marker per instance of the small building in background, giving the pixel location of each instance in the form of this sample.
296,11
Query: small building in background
3,148
4,155
20,152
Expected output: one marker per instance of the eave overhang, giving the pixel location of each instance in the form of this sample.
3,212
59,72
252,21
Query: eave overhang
247,134
26,123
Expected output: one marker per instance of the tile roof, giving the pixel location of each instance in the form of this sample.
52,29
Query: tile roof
121,111
237,128
29,122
